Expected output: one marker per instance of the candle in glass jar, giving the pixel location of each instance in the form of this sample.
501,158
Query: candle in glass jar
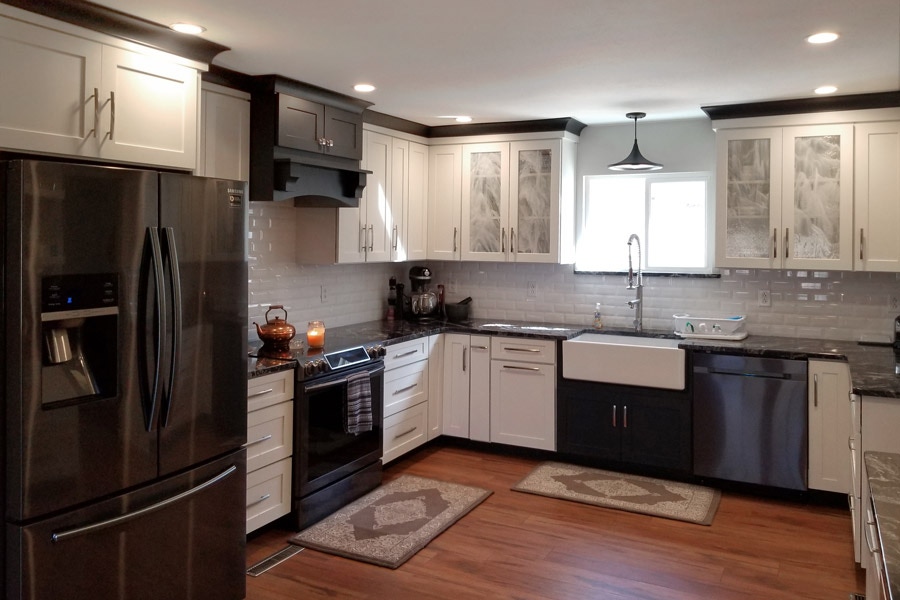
315,334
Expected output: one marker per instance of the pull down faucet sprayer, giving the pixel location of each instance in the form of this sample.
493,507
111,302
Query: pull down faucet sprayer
636,284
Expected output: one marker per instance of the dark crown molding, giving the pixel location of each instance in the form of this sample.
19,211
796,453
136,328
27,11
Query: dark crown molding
121,25
502,128
804,105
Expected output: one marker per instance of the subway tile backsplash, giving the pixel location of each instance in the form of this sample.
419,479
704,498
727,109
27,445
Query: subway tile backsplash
838,305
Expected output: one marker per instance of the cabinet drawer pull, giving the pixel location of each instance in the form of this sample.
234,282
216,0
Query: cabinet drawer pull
479,347
406,389
255,394
787,242
614,416
402,354
870,526
259,441
503,240
521,368
394,239
96,98
532,350
775,243
362,239
625,417
860,243
260,500
816,390
454,240
512,235
407,432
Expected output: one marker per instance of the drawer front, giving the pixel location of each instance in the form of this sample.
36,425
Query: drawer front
405,387
270,433
524,350
268,494
404,431
406,353
270,389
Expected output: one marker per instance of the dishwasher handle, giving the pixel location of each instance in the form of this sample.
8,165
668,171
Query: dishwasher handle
741,373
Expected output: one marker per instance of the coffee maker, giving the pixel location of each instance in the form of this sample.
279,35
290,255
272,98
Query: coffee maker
423,303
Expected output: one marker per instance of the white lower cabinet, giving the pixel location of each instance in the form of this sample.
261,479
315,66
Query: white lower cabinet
523,392
466,385
406,394
829,427
878,419
270,435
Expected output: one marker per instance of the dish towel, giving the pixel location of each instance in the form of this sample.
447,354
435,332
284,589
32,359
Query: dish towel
358,408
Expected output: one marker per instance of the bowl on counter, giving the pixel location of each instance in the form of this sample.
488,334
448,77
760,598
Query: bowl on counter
457,313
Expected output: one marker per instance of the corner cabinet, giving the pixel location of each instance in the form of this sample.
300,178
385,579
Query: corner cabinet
785,197
829,426
503,201
466,386
88,96
224,133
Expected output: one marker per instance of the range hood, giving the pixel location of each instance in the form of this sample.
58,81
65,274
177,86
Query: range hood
318,186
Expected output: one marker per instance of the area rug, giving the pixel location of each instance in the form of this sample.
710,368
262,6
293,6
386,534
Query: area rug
390,524
646,495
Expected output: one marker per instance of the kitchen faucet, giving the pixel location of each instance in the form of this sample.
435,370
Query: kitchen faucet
637,303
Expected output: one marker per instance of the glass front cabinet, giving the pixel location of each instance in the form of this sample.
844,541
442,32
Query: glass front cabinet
785,197
511,205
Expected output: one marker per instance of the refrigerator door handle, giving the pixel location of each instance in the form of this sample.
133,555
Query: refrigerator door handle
175,283
159,314
130,516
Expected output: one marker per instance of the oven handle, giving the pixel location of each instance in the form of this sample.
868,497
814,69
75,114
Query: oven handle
313,386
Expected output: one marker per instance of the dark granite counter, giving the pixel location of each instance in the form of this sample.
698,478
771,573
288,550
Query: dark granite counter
873,369
883,469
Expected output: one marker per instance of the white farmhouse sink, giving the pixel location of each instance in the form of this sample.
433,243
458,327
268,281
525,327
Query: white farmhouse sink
624,359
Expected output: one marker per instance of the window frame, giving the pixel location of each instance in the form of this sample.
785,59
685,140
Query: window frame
649,178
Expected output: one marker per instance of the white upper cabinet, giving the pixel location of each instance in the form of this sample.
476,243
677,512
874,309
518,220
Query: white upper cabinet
73,95
785,197
409,196
224,133
365,232
877,198
515,201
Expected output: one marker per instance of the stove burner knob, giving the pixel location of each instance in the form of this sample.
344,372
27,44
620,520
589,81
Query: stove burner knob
320,365
380,350
309,368
376,351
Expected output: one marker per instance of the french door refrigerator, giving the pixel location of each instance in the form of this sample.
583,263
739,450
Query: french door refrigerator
124,312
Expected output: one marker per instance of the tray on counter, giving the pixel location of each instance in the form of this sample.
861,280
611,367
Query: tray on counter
712,336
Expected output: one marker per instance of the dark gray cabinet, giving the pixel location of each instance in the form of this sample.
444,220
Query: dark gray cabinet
317,127
624,424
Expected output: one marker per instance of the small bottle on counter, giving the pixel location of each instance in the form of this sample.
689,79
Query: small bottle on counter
392,298
598,321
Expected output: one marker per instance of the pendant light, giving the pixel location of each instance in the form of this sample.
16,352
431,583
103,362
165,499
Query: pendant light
635,161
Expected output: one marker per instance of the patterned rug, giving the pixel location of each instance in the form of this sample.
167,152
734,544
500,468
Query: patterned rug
657,497
390,524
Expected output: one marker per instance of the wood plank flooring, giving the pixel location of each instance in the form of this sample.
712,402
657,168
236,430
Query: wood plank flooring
523,546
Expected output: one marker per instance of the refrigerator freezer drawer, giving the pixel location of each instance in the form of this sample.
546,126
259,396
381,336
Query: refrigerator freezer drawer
156,542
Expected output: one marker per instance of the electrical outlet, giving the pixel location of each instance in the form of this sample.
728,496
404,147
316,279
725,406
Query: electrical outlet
452,287
765,299
323,293
531,290
894,303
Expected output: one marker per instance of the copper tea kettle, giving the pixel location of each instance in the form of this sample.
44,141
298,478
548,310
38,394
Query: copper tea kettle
277,333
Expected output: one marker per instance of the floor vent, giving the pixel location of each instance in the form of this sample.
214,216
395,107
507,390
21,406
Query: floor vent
277,558
857,597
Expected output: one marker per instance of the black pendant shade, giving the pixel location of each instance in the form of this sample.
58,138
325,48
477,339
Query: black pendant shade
635,161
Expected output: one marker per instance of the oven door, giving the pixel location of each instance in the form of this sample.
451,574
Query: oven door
327,453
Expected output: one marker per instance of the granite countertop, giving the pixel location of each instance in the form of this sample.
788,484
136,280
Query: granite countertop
883,469
874,369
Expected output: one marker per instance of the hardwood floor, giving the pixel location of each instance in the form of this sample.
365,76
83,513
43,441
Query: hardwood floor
523,546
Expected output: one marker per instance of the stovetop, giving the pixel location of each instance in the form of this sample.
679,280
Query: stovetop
313,362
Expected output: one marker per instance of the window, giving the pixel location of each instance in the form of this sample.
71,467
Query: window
671,213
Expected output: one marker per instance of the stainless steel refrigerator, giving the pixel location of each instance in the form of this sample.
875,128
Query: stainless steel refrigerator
124,311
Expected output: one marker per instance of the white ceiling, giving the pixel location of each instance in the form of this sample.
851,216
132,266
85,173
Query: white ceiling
594,60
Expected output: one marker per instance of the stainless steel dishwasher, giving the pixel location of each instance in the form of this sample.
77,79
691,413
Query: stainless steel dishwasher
750,419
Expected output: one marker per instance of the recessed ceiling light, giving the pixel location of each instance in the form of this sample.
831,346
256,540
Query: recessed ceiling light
457,118
364,87
824,37
826,89
187,28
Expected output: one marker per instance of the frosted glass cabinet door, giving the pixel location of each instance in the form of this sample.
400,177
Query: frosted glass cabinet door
749,198
485,202
534,201
817,205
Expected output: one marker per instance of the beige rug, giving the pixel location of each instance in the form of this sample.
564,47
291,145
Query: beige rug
390,524
646,495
